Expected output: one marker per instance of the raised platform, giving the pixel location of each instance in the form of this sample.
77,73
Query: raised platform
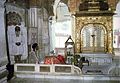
97,58
99,63
96,54
96,69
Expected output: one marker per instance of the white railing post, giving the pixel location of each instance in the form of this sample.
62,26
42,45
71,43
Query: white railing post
72,69
37,68
52,69
15,67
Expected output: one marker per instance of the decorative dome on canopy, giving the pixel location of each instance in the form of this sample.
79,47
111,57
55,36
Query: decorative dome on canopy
93,5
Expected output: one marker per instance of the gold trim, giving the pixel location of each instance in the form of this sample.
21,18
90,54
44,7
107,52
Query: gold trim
106,21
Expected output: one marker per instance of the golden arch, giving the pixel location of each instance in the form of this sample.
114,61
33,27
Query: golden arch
93,38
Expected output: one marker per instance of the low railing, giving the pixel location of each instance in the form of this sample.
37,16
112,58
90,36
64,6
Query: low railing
46,69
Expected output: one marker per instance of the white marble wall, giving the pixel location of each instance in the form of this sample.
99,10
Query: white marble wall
116,26
3,50
21,11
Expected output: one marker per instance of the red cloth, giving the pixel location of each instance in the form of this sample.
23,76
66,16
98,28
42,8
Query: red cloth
61,59
51,59
55,60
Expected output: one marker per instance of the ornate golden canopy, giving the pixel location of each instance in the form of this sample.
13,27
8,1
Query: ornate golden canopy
102,18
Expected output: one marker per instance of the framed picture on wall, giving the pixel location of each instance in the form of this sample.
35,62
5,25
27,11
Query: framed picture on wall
32,35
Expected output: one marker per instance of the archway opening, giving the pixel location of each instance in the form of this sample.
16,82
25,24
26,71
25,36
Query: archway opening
93,38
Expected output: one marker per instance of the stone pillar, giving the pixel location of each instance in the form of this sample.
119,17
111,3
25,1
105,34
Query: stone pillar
38,30
3,52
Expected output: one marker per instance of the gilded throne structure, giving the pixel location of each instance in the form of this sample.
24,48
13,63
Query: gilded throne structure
93,27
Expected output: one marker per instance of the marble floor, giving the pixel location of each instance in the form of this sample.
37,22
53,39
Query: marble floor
85,79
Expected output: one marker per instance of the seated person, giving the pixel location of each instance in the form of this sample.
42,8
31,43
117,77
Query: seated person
82,62
32,58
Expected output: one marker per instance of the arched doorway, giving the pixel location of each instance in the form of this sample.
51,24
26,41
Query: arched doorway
93,38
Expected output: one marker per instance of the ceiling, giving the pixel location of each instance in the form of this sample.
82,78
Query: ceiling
48,4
